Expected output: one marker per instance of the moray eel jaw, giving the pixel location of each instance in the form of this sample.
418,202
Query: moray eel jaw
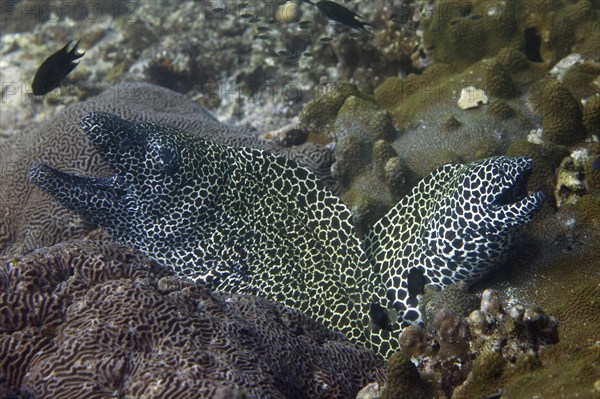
471,229
130,204
93,196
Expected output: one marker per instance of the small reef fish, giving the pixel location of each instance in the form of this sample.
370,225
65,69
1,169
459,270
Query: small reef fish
54,69
338,13
304,25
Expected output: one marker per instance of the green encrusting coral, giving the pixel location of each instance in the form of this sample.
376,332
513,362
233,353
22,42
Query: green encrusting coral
568,371
583,79
591,115
403,380
403,98
499,82
462,32
546,158
562,115
318,116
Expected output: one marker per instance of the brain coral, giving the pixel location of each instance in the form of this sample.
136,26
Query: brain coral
59,142
97,320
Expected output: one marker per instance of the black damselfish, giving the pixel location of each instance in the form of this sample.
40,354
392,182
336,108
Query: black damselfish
54,69
338,13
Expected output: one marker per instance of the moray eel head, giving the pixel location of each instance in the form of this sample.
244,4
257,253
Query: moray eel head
473,225
149,170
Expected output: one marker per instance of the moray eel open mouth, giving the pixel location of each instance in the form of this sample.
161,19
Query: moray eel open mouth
92,196
511,177
517,187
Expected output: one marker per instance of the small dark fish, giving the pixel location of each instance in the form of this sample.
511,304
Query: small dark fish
246,16
596,163
54,69
325,39
263,37
284,53
338,13
475,17
263,29
304,25
307,54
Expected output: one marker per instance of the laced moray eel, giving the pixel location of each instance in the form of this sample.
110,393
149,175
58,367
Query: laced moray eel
250,222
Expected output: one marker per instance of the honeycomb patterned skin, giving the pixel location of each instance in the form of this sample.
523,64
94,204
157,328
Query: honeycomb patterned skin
250,222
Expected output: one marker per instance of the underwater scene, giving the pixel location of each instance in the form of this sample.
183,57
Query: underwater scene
300,199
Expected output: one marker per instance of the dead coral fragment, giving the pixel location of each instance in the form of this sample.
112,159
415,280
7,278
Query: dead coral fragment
471,97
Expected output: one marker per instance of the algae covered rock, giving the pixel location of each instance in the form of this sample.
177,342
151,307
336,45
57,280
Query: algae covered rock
562,115
591,115
499,82
500,109
462,32
403,380
319,115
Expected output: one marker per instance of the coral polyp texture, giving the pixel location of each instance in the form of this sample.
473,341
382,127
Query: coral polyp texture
247,221
98,320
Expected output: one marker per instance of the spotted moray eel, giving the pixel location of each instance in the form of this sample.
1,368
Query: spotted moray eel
248,221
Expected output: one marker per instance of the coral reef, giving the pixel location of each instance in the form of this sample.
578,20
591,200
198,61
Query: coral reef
476,352
562,115
546,159
434,130
499,82
463,32
319,115
591,115
403,380
455,298
98,319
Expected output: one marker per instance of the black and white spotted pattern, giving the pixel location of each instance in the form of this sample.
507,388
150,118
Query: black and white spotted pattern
247,221
456,225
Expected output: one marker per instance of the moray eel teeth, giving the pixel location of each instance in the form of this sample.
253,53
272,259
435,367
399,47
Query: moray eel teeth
251,222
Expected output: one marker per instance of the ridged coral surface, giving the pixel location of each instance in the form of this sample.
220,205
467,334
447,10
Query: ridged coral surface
98,320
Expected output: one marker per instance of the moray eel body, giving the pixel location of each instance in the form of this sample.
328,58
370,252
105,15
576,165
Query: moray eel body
250,222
